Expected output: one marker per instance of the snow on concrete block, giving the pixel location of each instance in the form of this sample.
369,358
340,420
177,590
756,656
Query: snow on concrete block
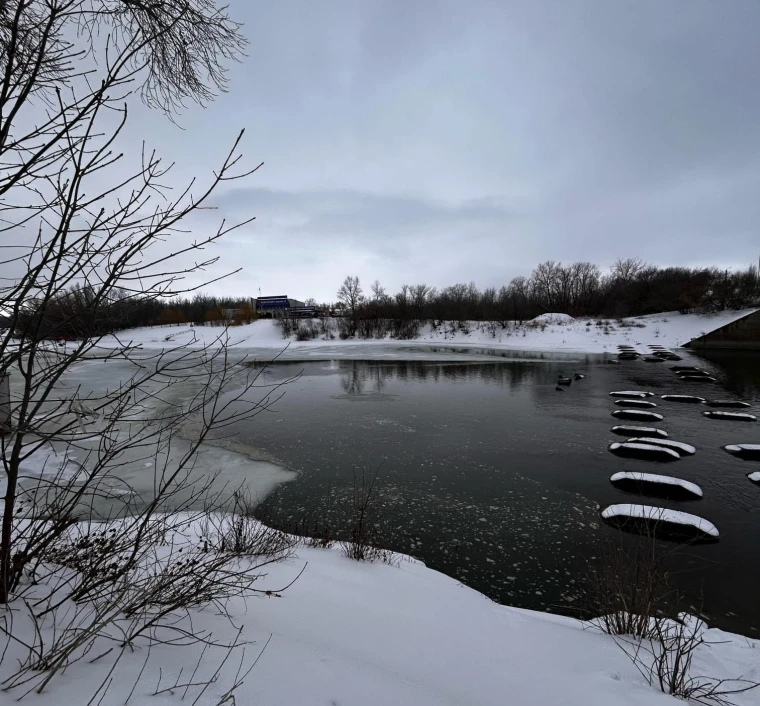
647,452
630,430
683,398
666,524
631,393
656,484
635,403
731,416
678,446
637,414
735,404
750,452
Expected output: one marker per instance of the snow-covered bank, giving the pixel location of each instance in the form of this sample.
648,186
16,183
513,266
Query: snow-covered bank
378,634
550,333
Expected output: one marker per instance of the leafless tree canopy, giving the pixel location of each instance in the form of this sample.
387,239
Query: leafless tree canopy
175,49
84,234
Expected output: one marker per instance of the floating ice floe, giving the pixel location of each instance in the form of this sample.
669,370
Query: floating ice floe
698,378
678,446
684,368
631,393
662,522
649,452
731,416
638,414
629,430
656,484
635,403
746,451
754,477
683,398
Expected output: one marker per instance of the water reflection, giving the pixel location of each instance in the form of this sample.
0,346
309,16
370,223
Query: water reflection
740,370
362,377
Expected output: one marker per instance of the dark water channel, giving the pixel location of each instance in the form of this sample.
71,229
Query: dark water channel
492,476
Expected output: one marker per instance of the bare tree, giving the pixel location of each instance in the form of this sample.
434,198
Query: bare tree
75,216
378,291
350,295
627,269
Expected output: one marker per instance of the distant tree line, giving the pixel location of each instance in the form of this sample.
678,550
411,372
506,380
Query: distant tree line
581,289
630,288
80,311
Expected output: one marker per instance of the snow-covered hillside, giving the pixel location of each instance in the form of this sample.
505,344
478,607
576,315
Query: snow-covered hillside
548,332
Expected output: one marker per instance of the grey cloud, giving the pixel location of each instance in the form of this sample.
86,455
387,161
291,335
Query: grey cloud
442,140
345,211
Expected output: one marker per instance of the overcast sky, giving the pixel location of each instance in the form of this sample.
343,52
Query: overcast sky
448,140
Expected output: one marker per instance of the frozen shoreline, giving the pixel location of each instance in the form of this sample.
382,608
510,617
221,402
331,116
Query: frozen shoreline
263,338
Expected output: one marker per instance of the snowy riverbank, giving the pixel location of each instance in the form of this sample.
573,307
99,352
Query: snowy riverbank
669,329
375,634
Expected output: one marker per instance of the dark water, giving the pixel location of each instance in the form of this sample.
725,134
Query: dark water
491,476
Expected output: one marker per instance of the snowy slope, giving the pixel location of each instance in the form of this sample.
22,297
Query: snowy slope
669,329
373,634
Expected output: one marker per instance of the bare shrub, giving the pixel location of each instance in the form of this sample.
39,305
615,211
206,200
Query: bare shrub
665,660
238,532
306,331
318,535
286,326
121,582
628,586
364,541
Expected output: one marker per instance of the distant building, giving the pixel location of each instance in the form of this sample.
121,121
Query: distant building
304,312
276,307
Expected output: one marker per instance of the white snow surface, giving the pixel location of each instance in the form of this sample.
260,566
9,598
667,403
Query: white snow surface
378,634
657,478
754,477
554,318
579,335
660,514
